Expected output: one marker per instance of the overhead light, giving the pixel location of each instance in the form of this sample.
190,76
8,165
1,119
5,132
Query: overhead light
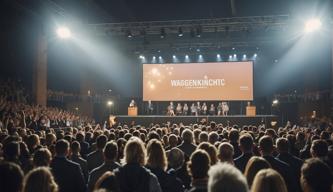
198,32
129,34
64,32
162,33
312,25
180,32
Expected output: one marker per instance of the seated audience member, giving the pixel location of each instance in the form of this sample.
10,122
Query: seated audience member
316,176
213,137
246,145
254,165
68,175
268,180
84,144
266,150
233,138
95,159
176,163
198,167
40,180
224,177
11,177
187,145
110,153
42,157
11,152
173,142
226,153
203,137
133,176
157,164
211,150
319,149
107,183
76,157
294,162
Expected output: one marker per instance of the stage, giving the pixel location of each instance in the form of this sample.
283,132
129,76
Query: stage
240,120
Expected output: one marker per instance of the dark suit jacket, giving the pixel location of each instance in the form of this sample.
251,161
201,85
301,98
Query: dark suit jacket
187,148
285,171
84,149
95,159
241,161
83,164
96,173
68,175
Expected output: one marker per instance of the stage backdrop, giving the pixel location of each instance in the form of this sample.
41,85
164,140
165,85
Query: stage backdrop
198,81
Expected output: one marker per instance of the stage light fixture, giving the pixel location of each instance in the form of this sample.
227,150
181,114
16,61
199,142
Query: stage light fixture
186,56
163,34
230,56
312,25
275,102
180,32
200,56
109,103
64,32
174,56
159,57
199,30
235,55
218,55
129,34
255,55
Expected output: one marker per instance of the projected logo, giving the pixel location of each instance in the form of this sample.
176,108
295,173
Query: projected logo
205,82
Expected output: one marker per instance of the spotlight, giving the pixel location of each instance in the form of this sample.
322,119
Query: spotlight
200,56
255,55
230,56
64,32
235,55
244,56
275,102
233,48
129,34
154,57
312,25
186,56
218,55
198,50
109,103
174,56
180,32
199,31
162,33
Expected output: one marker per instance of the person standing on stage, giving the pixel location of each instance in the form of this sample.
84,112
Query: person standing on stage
185,109
225,108
150,108
132,103
219,109
179,109
194,110
204,109
198,108
212,109
171,109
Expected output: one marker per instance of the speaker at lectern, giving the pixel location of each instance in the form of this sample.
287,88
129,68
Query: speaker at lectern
132,111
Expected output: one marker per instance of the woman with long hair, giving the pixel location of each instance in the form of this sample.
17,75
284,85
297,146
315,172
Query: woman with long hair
39,180
268,180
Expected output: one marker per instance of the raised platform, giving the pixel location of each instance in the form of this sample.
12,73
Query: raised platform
225,120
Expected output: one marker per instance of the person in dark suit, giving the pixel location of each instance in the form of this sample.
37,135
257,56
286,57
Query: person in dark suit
67,174
187,145
95,159
76,157
266,150
246,145
110,153
83,144
294,162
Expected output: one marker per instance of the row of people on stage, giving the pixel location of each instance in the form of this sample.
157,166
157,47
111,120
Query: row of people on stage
197,109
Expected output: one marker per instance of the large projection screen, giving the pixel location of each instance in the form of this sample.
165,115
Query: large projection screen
228,81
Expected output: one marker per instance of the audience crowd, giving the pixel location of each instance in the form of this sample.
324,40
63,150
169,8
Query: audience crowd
48,150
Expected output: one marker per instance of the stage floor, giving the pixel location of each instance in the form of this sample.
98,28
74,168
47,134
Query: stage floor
225,120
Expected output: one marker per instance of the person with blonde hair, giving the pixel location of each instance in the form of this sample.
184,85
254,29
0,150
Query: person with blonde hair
133,176
253,166
39,180
226,153
268,180
157,163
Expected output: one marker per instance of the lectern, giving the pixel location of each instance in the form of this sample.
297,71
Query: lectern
251,111
132,111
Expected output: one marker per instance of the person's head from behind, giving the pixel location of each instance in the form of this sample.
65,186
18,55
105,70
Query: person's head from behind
319,148
211,150
110,151
266,145
173,140
39,180
282,145
203,137
108,182
268,180
156,155
42,157
225,152
62,147
213,137
199,164
316,176
224,177
135,151
101,142
187,136
246,143
175,158
11,177
233,136
75,148
253,166
11,151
